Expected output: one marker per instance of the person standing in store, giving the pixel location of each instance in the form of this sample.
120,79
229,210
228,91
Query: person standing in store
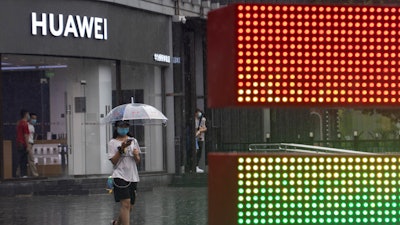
22,143
200,126
31,159
124,154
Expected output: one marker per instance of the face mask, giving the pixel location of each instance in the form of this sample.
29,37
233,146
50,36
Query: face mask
122,131
28,117
199,114
33,122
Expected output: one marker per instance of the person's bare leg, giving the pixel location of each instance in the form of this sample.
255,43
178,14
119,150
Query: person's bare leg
124,213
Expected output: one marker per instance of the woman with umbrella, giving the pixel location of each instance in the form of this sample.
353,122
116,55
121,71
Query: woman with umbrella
124,154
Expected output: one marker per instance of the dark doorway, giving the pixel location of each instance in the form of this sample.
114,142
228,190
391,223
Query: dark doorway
25,90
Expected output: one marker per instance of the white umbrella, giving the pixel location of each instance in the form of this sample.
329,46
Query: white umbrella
137,114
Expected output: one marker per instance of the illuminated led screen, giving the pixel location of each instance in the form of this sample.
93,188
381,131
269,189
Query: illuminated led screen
266,55
297,189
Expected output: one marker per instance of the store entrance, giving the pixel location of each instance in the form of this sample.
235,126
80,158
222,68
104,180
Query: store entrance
69,99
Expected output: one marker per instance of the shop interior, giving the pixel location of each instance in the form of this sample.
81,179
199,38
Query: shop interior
70,97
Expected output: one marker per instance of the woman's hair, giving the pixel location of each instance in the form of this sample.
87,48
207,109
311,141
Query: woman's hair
115,133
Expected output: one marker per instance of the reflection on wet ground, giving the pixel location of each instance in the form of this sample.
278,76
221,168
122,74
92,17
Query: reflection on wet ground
162,206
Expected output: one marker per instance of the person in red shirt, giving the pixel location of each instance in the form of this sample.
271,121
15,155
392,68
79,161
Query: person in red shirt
23,143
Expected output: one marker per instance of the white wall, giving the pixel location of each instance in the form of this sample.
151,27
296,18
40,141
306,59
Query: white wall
153,134
86,137
148,78
105,99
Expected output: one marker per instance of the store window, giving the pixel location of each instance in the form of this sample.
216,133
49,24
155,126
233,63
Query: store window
142,84
69,96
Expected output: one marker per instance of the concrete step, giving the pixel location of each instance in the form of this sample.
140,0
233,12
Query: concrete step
74,185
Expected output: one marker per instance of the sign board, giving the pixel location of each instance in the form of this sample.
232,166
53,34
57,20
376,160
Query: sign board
303,55
301,189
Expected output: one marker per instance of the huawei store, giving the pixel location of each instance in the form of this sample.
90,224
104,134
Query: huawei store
71,64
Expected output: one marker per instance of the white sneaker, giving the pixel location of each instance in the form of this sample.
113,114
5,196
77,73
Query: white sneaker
198,170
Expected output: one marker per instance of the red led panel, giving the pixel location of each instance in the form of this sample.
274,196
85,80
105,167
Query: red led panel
286,55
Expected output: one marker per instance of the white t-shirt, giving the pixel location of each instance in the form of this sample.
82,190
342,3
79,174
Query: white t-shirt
31,132
202,136
126,167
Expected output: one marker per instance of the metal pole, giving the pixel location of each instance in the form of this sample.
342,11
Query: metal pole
118,91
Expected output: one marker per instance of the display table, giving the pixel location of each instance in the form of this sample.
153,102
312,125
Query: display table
47,157
7,159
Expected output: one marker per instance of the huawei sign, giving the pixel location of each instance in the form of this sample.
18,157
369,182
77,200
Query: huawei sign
64,26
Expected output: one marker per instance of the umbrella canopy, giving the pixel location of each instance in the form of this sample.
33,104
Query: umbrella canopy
137,114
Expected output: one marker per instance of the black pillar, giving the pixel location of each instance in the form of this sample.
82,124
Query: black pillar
190,95
1,122
179,100
163,108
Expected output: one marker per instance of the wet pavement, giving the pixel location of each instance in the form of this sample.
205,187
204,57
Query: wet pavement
161,206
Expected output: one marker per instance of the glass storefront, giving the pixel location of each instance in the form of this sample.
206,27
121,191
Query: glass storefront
56,65
70,97
142,84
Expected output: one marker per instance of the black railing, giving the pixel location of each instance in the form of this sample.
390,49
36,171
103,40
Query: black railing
378,146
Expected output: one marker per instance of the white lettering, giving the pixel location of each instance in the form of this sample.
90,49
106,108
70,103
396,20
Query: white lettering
105,29
52,28
36,23
77,26
97,28
162,58
85,26
70,27
176,60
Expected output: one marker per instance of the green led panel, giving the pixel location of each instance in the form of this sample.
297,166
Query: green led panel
285,189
